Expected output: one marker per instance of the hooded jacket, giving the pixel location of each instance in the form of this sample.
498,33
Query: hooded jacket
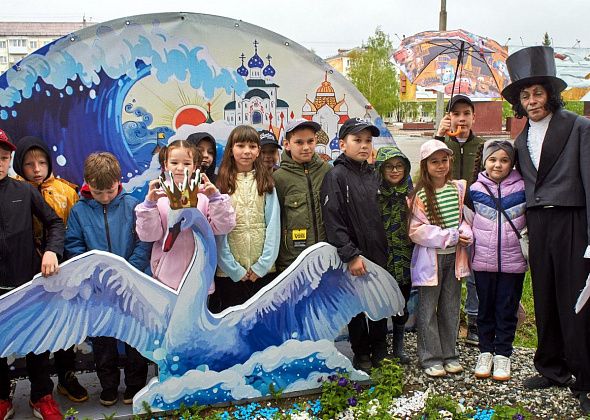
197,138
19,260
394,213
351,212
496,247
106,227
298,190
58,193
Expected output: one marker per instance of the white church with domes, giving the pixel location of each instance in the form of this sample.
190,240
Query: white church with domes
260,105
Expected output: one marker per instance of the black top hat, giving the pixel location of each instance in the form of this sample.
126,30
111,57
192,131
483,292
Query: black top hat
531,66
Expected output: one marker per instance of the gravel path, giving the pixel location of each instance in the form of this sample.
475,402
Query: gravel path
552,403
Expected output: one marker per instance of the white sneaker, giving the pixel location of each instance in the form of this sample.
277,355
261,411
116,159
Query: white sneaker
453,367
501,368
435,371
483,368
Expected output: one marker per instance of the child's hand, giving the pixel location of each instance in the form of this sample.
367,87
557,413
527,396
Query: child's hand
356,266
464,241
49,264
208,188
252,275
444,126
155,192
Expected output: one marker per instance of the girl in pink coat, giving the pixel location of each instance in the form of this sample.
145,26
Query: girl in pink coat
152,214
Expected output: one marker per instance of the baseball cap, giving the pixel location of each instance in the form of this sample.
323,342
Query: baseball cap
268,137
302,123
5,141
432,146
354,125
459,98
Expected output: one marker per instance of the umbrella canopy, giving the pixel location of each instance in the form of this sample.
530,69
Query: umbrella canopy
454,62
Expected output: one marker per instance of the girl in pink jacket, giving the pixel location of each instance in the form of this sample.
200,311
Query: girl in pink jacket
439,259
498,264
152,214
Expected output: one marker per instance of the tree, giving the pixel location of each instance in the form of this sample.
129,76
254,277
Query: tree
374,75
546,40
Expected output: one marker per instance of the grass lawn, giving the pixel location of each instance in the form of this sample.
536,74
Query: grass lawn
526,335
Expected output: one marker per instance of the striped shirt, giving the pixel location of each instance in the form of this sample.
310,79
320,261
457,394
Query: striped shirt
447,198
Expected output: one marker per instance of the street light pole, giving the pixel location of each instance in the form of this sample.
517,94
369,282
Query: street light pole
440,97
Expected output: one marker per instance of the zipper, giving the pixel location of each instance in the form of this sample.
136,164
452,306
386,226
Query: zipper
314,219
106,226
461,161
499,231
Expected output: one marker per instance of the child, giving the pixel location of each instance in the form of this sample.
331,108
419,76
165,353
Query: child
208,150
152,214
104,219
396,183
247,254
439,259
269,149
298,183
498,263
32,162
467,148
354,226
19,201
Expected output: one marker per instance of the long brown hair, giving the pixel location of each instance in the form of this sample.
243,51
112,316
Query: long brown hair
425,183
228,171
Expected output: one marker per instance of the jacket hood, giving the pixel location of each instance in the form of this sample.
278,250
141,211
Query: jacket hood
196,139
351,163
512,178
87,195
388,152
23,146
289,164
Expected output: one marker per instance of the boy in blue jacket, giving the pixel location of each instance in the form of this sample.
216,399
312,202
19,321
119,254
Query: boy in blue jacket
104,219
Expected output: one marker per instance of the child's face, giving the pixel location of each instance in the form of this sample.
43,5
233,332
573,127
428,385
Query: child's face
4,162
394,170
438,165
104,196
358,146
270,155
178,160
462,115
35,167
244,154
207,153
498,165
301,145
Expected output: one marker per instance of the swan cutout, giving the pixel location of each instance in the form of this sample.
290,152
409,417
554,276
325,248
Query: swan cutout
101,294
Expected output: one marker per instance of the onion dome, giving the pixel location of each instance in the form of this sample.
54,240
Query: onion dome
255,60
269,70
242,71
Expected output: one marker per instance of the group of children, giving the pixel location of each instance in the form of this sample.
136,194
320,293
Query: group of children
264,215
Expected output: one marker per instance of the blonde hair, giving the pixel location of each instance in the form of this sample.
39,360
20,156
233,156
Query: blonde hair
36,153
102,170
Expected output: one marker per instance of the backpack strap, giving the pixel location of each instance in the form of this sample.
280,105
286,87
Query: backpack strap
499,206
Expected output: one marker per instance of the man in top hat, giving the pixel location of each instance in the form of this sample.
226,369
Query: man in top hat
554,158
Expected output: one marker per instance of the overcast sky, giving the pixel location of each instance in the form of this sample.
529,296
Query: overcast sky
326,25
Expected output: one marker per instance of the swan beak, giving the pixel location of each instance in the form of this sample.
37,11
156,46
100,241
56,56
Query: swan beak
171,237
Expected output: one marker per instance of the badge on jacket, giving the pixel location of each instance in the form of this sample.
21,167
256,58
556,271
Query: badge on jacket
299,237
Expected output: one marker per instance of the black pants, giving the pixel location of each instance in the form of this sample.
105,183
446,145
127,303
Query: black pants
65,361
558,240
367,337
38,372
106,359
229,293
401,319
499,294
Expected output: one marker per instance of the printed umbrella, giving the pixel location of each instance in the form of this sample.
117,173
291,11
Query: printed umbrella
454,62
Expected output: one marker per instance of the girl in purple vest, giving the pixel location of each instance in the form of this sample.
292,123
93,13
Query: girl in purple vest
498,264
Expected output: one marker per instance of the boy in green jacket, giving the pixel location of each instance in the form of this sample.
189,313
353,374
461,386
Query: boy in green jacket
298,182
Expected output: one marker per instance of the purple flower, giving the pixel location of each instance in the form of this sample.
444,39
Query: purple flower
332,378
352,401
320,379
343,382
357,387
518,417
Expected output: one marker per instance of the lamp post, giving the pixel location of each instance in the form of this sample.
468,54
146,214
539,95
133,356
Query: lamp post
440,97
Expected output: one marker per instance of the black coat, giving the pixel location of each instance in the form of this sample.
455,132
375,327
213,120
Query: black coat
563,178
351,212
19,260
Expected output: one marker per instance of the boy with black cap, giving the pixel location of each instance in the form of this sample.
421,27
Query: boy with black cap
353,224
455,131
269,149
298,182
208,148
19,201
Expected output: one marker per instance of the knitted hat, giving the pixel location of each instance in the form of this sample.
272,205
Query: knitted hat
492,146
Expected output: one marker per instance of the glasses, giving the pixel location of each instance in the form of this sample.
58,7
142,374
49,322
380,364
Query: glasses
393,168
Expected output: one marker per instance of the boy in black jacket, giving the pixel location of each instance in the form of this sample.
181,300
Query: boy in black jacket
19,261
353,225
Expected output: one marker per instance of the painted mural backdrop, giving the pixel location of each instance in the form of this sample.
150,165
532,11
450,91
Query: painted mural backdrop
131,85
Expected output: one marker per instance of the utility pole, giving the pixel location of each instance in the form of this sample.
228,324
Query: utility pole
440,97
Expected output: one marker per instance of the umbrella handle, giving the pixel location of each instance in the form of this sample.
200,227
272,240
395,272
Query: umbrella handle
454,133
